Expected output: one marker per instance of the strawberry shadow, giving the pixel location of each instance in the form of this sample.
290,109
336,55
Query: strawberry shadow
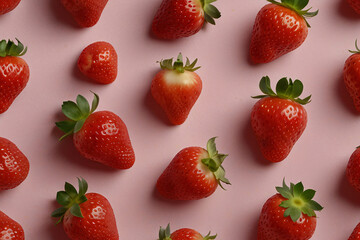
346,191
346,11
344,97
61,14
53,230
252,229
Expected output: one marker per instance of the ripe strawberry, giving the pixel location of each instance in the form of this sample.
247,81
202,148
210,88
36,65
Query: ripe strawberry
14,166
355,4
8,5
10,229
99,136
279,28
353,169
85,12
14,72
98,61
289,215
176,88
352,76
193,174
182,234
355,235
183,18
85,215
278,119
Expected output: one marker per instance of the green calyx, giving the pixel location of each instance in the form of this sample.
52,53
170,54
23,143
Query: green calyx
9,48
77,113
297,6
70,199
214,162
298,201
164,233
357,48
210,11
285,89
178,65
209,236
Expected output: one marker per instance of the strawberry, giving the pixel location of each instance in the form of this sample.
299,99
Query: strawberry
14,72
85,12
98,61
355,4
176,88
355,235
183,18
353,169
8,5
10,229
279,28
352,76
289,215
85,215
182,234
14,166
99,136
278,119
194,173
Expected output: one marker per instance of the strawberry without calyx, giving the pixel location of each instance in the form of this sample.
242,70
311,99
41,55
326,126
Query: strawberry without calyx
183,18
10,229
280,27
99,136
182,234
355,4
8,5
176,88
353,170
355,235
351,74
193,174
278,119
85,215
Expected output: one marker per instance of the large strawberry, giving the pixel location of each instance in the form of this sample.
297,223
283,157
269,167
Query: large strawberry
194,173
85,12
99,136
280,27
8,5
355,235
182,234
183,18
14,166
289,215
10,229
355,4
351,74
278,119
176,88
85,215
353,169
14,72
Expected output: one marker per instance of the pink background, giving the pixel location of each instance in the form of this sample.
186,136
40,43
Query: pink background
223,109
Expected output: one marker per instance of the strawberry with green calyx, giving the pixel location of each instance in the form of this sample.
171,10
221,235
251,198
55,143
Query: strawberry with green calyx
182,234
351,74
279,119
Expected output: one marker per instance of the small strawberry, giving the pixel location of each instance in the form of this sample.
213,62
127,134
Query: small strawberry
8,5
352,76
98,61
278,119
355,235
99,136
353,169
85,215
280,27
10,229
289,215
14,72
355,4
182,234
183,18
14,166
193,174
176,88
85,12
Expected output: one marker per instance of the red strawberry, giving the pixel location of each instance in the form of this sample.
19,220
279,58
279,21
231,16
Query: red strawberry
14,72
99,136
183,18
353,169
355,235
10,229
176,88
98,61
14,166
85,12
8,5
85,215
278,119
182,234
352,76
355,4
279,28
289,215
193,174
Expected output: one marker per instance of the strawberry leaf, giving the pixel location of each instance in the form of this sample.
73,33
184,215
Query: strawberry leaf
9,48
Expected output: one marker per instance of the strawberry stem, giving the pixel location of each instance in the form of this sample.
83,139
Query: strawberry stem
357,48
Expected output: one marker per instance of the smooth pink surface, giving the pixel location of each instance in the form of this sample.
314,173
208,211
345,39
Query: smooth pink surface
318,159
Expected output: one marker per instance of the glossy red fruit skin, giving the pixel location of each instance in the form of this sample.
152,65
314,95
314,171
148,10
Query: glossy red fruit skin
186,234
277,124
14,75
178,18
10,229
351,74
14,166
85,12
99,221
8,5
99,62
186,178
355,4
355,235
274,226
104,138
353,170
277,31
